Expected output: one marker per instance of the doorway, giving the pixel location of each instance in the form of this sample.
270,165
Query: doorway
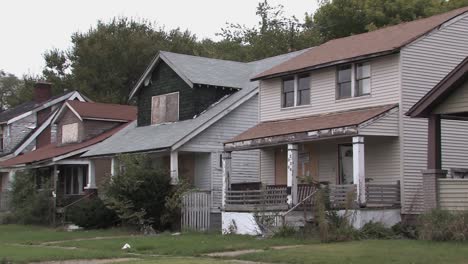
345,156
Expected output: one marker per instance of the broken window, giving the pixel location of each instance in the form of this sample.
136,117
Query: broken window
165,108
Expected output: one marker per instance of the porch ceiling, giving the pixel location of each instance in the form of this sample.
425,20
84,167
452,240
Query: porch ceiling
336,124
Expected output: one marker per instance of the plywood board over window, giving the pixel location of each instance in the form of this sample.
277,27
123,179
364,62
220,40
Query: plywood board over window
165,108
70,133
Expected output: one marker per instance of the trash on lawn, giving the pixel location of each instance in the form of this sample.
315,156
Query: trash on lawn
126,246
176,234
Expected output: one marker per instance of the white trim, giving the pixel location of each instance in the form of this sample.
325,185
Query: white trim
150,68
43,126
359,168
104,119
174,164
71,154
72,162
214,119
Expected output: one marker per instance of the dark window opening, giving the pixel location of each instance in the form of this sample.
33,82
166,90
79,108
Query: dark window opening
288,92
344,81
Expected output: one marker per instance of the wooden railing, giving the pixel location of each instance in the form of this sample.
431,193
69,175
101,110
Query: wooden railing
269,198
383,195
5,199
342,195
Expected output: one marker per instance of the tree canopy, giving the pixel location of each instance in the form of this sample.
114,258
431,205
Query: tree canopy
106,61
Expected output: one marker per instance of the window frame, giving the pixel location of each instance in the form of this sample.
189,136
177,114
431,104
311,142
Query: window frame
357,79
296,92
354,80
152,110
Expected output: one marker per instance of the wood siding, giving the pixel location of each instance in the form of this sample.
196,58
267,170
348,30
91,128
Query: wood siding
384,90
423,64
453,194
245,164
456,102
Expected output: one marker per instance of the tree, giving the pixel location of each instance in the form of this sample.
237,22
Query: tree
14,91
341,18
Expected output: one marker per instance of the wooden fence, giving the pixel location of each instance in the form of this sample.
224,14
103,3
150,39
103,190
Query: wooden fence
196,209
5,201
453,194
383,195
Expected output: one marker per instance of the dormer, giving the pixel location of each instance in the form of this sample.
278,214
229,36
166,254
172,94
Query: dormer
79,121
177,87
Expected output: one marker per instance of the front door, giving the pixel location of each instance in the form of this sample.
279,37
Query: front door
345,164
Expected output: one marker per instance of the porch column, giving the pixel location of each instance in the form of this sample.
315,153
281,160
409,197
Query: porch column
359,169
55,173
91,176
434,164
227,169
292,174
114,166
174,167
11,178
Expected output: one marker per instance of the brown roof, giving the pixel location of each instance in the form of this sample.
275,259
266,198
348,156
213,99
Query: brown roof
379,42
311,123
52,150
444,88
104,111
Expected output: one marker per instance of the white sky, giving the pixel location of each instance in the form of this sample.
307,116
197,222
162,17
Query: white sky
29,28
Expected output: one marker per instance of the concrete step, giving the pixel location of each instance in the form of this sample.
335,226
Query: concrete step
297,219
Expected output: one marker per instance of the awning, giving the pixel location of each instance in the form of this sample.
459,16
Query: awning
308,128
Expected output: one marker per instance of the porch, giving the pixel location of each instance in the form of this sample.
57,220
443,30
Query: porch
354,173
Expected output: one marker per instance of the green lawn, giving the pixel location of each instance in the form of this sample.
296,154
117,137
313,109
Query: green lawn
22,244
369,252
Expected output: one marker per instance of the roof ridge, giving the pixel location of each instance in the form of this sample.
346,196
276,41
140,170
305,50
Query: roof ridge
202,57
101,103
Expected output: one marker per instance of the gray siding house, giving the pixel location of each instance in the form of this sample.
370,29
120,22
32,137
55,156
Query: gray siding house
336,114
187,107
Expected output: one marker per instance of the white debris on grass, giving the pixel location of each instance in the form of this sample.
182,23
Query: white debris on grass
126,246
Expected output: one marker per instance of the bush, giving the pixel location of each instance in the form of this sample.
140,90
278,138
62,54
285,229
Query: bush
141,194
91,213
441,225
405,231
376,230
29,205
285,231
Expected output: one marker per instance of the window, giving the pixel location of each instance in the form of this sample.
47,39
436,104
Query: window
70,133
1,138
296,91
346,87
288,92
76,179
165,108
362,79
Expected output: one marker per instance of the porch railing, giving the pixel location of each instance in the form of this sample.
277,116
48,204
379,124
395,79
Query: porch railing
268,198
342,195
383,195
5,198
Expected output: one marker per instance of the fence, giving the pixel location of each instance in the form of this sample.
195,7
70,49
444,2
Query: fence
196,208
5,201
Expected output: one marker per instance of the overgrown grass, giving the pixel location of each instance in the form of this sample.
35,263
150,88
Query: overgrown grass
368,252
190,244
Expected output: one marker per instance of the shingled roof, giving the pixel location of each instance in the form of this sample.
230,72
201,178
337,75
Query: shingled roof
91,110
375,43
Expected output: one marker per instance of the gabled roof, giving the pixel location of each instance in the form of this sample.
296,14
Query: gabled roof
375,43
30,107
311,123
444,88
173,135
102,111
52,151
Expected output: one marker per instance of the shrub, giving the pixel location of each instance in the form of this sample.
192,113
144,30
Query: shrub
376,230
91,213
285,231
441,225
405,231
29,205
138,194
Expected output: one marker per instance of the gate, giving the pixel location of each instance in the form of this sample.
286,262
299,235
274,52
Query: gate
196,206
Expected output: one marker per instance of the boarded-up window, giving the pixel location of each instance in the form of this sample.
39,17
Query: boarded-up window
70,133
165,108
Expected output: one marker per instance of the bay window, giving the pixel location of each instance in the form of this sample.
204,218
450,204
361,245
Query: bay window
296,91
353,80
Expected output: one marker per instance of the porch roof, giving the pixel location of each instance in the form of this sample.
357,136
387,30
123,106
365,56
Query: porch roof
310,127
53,150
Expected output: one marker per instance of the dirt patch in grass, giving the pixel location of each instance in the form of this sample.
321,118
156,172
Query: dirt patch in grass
88,261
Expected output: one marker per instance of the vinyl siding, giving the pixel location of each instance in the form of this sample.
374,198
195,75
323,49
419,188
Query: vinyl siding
424,63
245,164
456,102
267,166
384,126
202,178
453,194
384,90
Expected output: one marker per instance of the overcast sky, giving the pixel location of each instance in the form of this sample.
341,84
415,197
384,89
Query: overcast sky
28,28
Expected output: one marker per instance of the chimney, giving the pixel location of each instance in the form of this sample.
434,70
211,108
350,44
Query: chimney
42,91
